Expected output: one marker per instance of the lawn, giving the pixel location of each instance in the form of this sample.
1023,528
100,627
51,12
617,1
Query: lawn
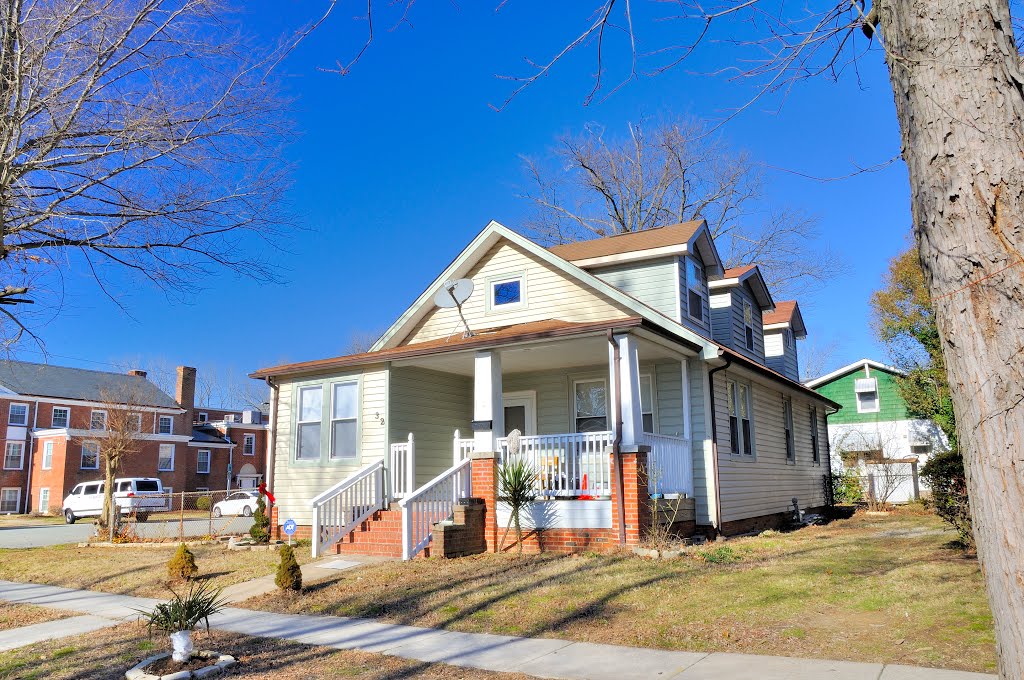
29,520
18,615
883,589
107,654
132,571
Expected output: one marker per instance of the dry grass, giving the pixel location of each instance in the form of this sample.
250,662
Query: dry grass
131,570
18,615
107,654
883,589
11,521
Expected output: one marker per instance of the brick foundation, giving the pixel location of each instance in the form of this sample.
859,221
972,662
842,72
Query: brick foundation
777,520
636,500
564,541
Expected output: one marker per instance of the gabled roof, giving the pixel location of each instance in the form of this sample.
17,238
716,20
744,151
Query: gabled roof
786,314
751,275
630,242
63,382
850,368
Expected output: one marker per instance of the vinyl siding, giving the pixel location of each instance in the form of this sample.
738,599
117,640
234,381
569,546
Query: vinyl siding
552,391
700,439
431,405
721,318
778,358
547,294
653,282
742,294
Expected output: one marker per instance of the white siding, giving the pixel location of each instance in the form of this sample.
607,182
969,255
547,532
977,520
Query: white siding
653,282
702,472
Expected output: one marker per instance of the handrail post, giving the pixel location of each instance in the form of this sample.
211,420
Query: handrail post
410,467
315,543
406,531
456,449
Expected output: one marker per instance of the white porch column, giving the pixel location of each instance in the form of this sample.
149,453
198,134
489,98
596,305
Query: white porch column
487,404
629,379
687,427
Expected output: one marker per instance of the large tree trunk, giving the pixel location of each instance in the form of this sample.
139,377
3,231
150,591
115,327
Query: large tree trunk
957,81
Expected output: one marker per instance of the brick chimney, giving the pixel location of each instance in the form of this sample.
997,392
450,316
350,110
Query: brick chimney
137,372
185,393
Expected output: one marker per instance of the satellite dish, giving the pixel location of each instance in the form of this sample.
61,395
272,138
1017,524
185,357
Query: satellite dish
453,294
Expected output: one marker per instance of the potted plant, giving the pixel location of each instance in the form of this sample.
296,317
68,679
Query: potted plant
179,616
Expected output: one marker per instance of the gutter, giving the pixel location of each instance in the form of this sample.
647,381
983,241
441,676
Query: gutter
714,441
272,434
29,443
617,428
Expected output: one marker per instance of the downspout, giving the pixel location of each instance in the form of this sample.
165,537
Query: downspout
617,430
31,450
714,442
272,435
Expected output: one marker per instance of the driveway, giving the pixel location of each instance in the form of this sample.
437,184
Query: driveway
57,534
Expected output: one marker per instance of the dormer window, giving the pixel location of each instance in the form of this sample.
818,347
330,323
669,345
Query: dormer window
748,324
507,292
695,290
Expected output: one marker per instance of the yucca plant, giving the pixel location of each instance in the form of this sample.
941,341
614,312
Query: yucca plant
181,614
515,488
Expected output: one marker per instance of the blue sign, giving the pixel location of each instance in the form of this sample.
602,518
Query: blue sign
289,527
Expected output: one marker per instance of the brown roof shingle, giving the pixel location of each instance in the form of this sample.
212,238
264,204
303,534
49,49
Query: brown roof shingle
736,272
660,237
783,313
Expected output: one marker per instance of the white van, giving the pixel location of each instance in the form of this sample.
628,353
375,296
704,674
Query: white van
139,494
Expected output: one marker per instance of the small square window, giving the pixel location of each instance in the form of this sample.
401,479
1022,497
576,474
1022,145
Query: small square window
507,292
166,423
98,420
203,417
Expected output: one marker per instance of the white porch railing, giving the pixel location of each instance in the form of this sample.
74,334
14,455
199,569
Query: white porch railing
432,503
567,464
461,448
669,464
402,467
347,504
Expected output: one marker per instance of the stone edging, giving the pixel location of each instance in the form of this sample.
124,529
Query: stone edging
224,661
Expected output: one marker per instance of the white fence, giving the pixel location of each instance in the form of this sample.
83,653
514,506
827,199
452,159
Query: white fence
340,509
402,467
432,503
567,465
669,464
461,448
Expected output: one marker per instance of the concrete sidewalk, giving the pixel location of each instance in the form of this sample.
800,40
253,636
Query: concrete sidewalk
543,658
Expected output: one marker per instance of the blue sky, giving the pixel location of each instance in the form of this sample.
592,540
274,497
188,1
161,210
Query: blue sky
401,162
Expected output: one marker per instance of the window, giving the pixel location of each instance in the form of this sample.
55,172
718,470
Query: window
169,494
229,417
10,500
202,488
165,462
695,289
507,292
203,461
920,449
98,420
309,423
18,415
204,417
47,455
249,445
647,402
867,395
591,406
14,455
44,499
787,423
786,339
166,425
740,432
61,417
135,422
815,446
748,324
344,420
90,456
92,489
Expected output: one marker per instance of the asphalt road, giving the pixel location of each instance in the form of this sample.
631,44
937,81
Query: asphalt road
57,534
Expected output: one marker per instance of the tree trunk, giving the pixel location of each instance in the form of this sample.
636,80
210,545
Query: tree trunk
957,81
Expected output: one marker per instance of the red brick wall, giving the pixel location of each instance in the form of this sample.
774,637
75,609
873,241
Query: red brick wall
15,479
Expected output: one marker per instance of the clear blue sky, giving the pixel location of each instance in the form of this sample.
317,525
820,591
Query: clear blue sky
401,162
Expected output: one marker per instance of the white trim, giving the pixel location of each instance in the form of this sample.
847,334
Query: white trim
92,415
44,507
246,437
521,303
81,455
42,461
203,417
209,460
782,325
100,404
53,412
723,283
10,410
72,433
633,256
849,368
21,457
574,413
299,422
17,508
160,453
528,400
331,420
170,429
210,445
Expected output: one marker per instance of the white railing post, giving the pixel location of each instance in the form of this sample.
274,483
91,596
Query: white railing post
456,449
406,531
410,467
315,543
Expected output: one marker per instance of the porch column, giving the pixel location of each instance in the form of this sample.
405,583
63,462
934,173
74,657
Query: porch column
488,414
629,379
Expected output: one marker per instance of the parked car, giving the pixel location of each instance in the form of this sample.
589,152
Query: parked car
239,503
131,494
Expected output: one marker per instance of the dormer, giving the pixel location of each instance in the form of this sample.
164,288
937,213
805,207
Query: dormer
782,328
738,300
666,268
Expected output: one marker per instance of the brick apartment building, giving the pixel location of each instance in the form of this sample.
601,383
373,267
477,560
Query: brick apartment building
53,420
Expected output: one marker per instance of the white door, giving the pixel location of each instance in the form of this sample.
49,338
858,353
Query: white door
248,482
520,412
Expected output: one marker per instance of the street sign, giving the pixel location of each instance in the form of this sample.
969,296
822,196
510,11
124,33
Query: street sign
289,527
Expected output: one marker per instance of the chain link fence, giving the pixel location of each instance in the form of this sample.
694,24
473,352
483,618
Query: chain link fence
188,515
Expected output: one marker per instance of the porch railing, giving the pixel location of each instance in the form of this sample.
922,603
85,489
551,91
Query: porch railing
566,464
432,503
347,504
402,467
669,464
461,448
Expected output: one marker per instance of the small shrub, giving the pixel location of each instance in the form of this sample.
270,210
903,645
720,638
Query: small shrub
182,566
203,503
944,473
846,487
260,529
185,613
723,554
289,575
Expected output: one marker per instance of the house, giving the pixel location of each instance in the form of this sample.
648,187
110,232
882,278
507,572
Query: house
242,436
874,432
629,365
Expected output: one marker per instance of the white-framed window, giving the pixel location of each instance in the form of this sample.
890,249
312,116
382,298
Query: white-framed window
920,449
591,410
203,461
695,289
748,324
18,414
867,395
815,446
229,417
47,462
98,420
508,292
169,493
10,499
311,402
345,420
165,425
165,462
787,425
248,444
90,456
135,422
647,402
741,433
14,455
44,499
61,417
203,417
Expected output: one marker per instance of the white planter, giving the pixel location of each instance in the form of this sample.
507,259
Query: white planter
181,646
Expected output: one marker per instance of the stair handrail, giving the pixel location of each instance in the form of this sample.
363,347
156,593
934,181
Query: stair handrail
368,506
411,545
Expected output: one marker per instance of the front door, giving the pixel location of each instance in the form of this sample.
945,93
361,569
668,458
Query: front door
520,412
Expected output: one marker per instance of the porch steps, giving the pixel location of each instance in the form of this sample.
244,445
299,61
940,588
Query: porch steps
379,536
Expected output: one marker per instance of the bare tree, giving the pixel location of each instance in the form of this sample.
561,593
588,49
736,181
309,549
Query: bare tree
816,357
869,451
595,185
138,135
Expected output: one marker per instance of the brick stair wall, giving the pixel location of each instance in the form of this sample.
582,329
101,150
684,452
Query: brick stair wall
380,535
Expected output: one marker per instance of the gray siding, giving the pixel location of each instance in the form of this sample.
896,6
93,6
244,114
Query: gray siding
780,359
721,318
668,387
699,439
742,294
703,327
653,282
553,396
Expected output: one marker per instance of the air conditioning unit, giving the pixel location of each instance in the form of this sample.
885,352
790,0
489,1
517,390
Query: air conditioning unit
252,417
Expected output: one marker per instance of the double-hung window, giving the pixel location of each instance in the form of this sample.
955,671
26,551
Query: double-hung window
695,289
815,450
135,422
61,417
345,421
18,414
44,500
591,406
787,424
98,420
47,455
10,499
309,422
203,461
90,456
14,455
740,430
165,425
647,402
748,324
249,445
165,462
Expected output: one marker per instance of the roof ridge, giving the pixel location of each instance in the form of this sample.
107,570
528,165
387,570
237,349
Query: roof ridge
73,368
